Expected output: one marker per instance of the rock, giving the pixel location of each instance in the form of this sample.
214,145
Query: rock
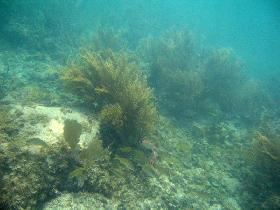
81,201
232,184
47,124
215,207
231,204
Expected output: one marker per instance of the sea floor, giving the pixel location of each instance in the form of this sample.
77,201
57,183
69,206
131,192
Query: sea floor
199,166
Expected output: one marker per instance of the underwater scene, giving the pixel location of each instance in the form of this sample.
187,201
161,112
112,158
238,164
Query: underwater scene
139,104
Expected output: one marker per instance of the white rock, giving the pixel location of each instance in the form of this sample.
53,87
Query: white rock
47,123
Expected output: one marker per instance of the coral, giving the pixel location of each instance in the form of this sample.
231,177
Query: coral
112,83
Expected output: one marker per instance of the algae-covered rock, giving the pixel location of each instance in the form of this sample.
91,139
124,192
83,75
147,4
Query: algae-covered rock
29,179
81,201
48,124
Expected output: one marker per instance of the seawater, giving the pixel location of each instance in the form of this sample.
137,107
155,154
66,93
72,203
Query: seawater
143,104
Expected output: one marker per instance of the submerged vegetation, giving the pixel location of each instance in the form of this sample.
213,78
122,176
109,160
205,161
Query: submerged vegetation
223,77
106,112
174,70
113,84
191,82
265,160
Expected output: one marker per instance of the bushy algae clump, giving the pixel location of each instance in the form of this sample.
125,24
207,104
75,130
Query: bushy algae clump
264,160
224,74
192,81
112,84
174,70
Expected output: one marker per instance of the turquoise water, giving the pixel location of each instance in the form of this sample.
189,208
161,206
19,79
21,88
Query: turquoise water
143,104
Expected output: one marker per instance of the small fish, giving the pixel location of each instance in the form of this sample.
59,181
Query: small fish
126,149
37,141
154,156
125,162
147,144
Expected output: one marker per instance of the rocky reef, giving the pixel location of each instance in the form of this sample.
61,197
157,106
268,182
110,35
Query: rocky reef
106,120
